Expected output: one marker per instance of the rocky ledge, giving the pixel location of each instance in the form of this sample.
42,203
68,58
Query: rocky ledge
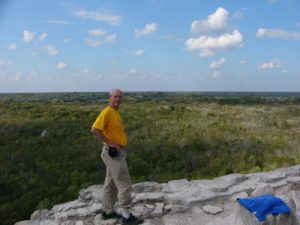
184,202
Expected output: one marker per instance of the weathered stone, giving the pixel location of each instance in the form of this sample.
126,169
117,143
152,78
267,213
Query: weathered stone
158,210
263,190
183,202
41,213
147,187
93,193
44,134
212,209
171,209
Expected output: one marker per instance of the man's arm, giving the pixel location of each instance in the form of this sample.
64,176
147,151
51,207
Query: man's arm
99,134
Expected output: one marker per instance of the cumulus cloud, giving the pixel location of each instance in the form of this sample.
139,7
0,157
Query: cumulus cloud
216,73
61,65
96,43
209,44
5,63
216,65
243,61
97,32
28,36
12,46
139,52
271,65
214,34
111,38
99,16
51,50
5,78
98,38
216,22
277,33
207,52
42,36
132,71
237,15
148,29
93,43
85,71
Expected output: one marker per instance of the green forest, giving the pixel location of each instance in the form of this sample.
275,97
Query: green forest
172,135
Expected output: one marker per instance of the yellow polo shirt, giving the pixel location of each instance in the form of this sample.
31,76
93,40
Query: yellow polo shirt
111,124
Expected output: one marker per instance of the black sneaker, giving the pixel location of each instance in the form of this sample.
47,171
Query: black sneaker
132,220
113,215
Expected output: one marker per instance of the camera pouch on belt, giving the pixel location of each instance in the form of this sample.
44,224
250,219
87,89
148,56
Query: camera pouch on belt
113,152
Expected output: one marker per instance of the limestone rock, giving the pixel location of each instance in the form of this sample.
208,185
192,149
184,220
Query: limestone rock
212,209
44,134
184,202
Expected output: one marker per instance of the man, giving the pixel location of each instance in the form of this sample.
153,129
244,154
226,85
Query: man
110,129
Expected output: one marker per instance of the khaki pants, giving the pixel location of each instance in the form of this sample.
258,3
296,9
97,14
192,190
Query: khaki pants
117,183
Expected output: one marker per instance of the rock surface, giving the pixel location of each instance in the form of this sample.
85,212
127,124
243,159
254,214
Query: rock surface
183,202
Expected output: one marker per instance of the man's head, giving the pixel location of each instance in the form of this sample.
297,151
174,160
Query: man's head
115,98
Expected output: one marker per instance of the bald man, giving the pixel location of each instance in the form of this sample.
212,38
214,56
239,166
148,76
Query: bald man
110,129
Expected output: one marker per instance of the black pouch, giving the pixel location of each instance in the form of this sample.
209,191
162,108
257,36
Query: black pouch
113,152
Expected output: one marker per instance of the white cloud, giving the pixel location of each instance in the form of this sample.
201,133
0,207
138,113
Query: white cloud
277,33
5,78
139,52
18,76
216,73
61,65
5,63
28,36
132,71
97,32
210,44
111,38
42,36
97,42
99,16
32,76
85,71
271,65
216,65
237,15
207,52
12,46
93,43
243,61
148,29
51,50
66,40
212,37
216,22
298,24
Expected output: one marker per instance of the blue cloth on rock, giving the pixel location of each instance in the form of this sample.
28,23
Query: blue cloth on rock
263,205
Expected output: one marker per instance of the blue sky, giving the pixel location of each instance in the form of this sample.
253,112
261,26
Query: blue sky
149,45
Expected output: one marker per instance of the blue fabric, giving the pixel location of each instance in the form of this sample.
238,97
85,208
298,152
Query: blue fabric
263,205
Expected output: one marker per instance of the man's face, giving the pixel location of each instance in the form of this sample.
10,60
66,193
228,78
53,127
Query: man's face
115,99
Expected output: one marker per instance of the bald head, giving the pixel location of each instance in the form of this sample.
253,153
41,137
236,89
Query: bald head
116,90
115,98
